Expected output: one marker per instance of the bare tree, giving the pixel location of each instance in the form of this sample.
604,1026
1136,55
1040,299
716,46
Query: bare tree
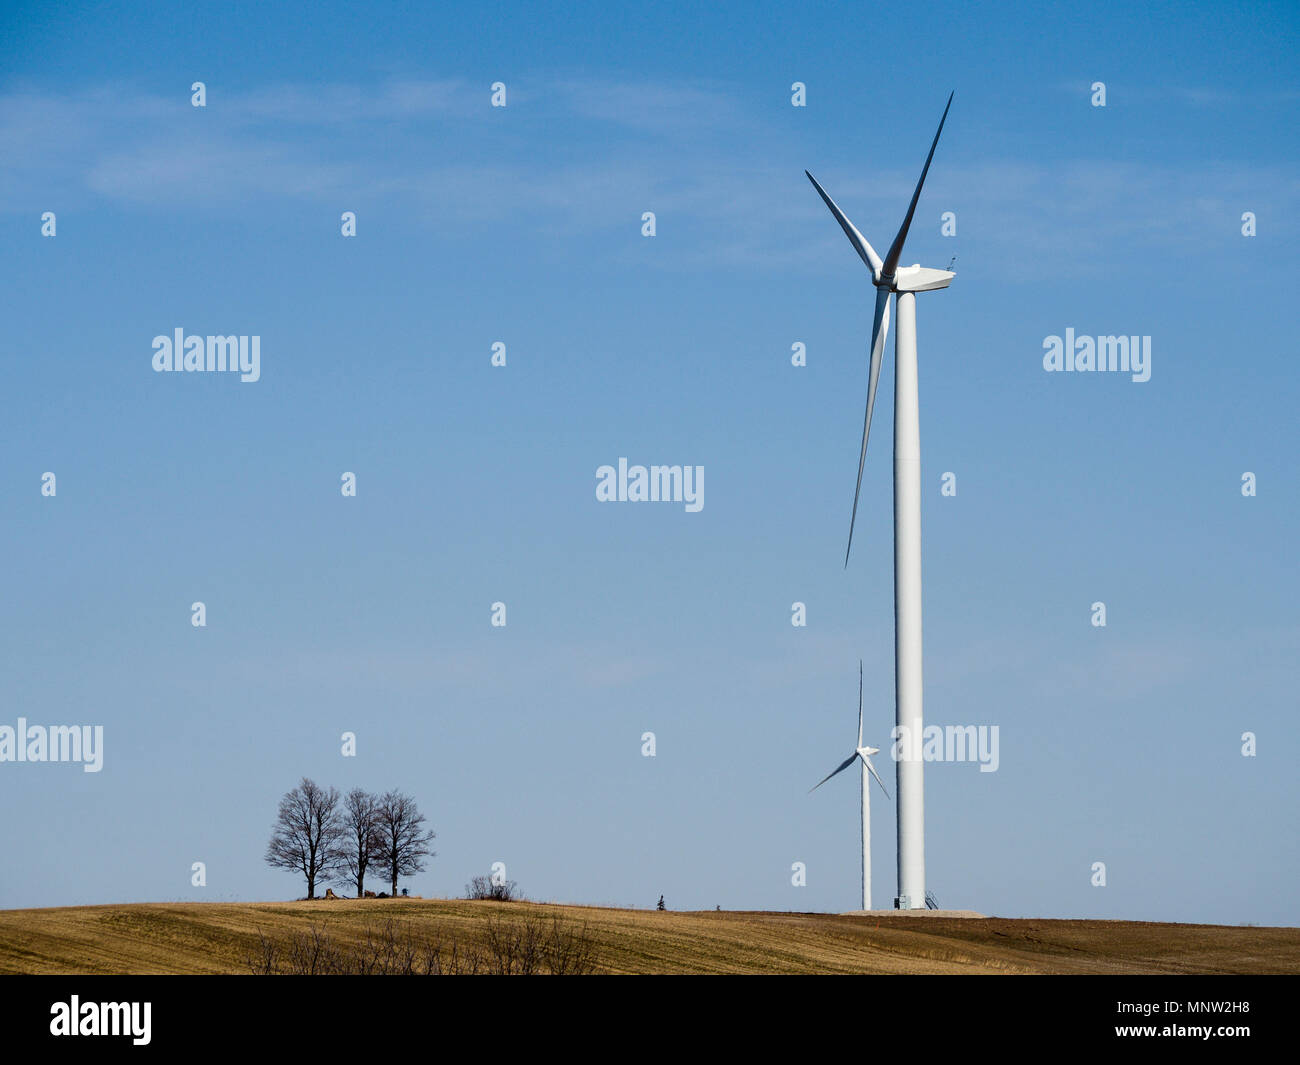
306,834
360,841
403,840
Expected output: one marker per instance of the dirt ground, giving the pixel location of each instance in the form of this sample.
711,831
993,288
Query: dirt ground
221,938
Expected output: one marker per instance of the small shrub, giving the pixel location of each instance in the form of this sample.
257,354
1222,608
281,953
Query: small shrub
484,887
531,946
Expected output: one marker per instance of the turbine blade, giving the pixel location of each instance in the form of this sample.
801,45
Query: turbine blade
842,766
864,249
896,249
872,768
879,331
859,702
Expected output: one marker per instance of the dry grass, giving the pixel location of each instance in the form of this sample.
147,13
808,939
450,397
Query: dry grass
220,938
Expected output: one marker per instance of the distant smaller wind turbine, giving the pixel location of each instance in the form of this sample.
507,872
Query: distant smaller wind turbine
863,753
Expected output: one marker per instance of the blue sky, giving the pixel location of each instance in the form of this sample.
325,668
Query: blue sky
476,484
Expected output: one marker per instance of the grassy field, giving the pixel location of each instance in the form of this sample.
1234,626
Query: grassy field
221,937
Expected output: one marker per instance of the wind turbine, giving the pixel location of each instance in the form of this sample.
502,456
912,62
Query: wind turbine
906,281
863,753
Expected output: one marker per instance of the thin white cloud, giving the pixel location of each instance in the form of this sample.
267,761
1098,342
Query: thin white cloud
339,104
651,106
741,207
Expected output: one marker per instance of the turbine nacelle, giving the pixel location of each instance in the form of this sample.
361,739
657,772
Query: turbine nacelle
917,278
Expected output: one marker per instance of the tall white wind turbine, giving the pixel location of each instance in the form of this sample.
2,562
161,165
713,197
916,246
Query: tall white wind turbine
863,753
906,281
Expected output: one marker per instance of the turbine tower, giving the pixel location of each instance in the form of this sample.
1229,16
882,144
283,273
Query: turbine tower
889,278
864,753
